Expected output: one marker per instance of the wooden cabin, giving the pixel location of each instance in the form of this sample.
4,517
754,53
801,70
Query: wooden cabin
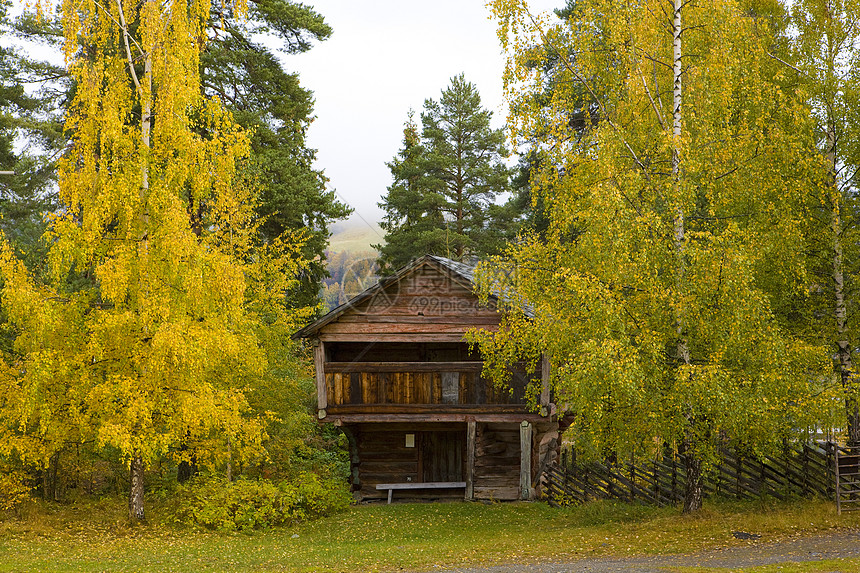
394,372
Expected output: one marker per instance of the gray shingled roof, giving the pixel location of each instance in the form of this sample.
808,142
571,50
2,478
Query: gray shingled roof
466,271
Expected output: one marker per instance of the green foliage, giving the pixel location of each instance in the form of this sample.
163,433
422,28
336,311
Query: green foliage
31,117
243,71
654,287
821,60
215,503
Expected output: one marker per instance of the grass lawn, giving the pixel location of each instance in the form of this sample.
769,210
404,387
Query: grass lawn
93,536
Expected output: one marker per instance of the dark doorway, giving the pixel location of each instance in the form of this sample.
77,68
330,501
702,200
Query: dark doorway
442,456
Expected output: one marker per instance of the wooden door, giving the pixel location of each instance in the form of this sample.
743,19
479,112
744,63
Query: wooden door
442,456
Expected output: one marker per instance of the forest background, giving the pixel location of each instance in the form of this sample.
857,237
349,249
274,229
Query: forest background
682,222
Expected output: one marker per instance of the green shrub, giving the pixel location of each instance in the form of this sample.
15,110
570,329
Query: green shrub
216,503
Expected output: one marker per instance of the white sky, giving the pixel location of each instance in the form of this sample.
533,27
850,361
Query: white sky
383,58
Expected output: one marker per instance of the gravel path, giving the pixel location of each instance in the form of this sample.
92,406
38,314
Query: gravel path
815,548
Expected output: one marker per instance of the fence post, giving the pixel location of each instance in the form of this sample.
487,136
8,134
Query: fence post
738,467
674,477
586,477
836,471
718,485
564,479
632,476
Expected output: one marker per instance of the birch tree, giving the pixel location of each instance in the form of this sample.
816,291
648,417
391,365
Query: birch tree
151,327
824,62
674,222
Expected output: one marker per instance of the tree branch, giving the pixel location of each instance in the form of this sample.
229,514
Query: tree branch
588,87
125,37
784,63
653,103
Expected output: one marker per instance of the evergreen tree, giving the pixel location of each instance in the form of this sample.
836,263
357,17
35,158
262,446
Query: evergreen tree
33,117
268,101
446,181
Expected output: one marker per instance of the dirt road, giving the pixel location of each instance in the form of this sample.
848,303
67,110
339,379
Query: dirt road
815,548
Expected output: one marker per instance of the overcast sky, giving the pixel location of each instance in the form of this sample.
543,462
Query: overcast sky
383,58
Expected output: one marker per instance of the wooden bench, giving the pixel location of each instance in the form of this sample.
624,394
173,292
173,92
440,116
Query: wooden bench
419,485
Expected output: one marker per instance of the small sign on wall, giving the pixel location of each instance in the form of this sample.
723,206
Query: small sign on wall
410,440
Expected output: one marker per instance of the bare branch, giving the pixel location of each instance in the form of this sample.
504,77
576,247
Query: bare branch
588,87
783,62
125,37
653,103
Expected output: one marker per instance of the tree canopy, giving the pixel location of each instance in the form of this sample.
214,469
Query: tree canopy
241,63
675,224
30,136
821,59
270,103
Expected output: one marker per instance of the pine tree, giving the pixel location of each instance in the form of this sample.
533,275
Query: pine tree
446,181
246,74
239,65
33,118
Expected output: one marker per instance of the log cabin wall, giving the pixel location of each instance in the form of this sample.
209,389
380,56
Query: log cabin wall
383,456
497,462
498,457
393,361
353,383
438,453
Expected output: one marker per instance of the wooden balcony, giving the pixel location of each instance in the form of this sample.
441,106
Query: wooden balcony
409,384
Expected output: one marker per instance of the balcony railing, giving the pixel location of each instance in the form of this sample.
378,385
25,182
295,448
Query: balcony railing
414,383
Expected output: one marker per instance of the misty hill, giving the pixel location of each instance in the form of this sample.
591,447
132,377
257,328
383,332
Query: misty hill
351,261
354,235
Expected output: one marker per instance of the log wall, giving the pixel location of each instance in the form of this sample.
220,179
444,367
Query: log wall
382,456
497,462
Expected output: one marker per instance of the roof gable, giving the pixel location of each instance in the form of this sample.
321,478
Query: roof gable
429,286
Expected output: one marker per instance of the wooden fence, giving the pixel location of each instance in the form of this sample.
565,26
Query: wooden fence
847,486
807,470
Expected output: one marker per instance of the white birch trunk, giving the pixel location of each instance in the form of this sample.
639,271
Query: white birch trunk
844,361
682,348
135,496
845,364
692,465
